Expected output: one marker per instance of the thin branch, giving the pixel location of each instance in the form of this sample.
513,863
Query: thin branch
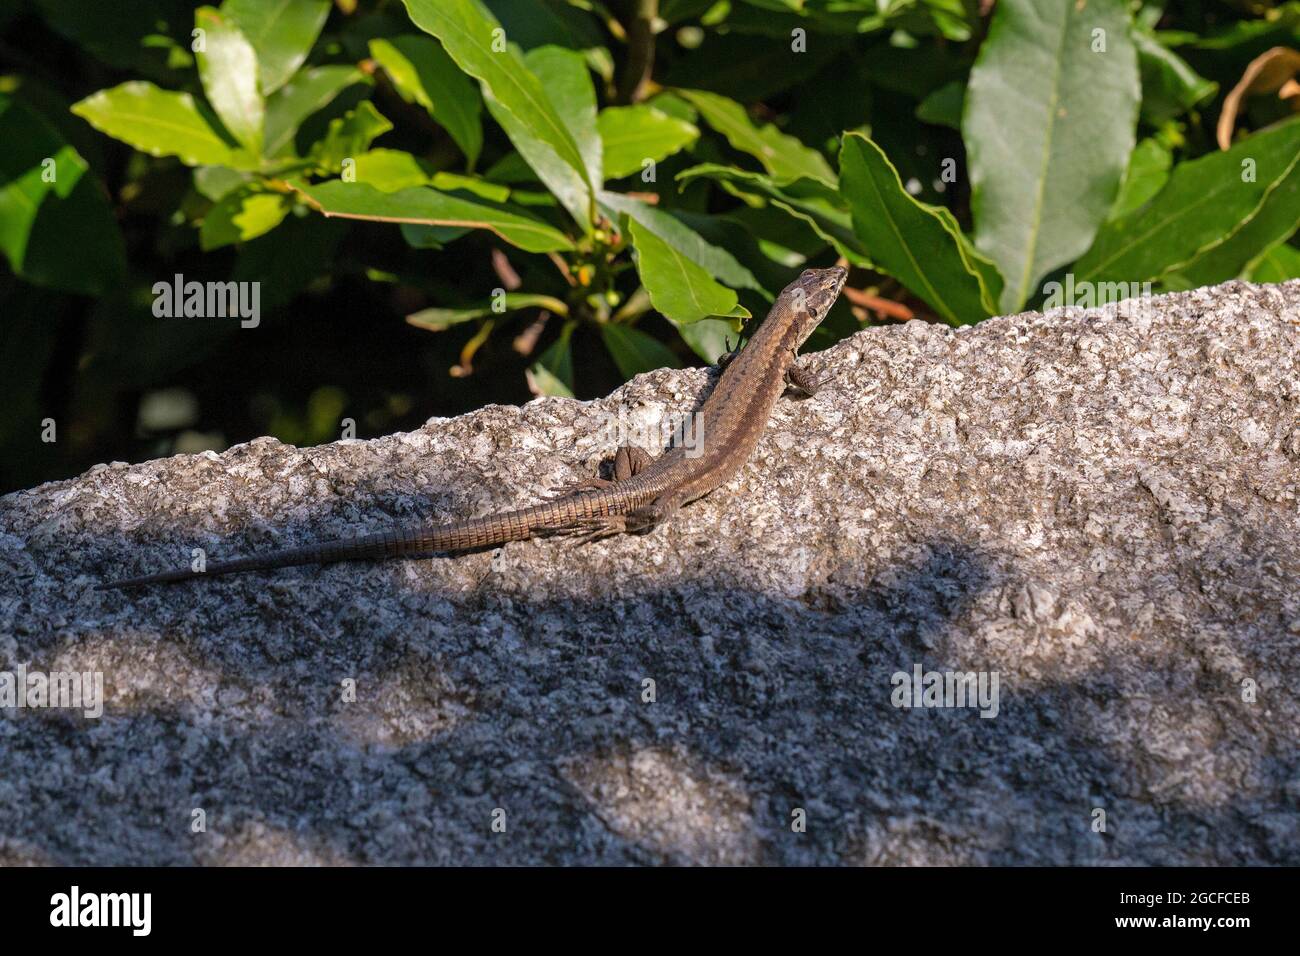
640,51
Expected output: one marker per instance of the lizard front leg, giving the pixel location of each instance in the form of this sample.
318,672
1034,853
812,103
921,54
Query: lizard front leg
802,379
727,357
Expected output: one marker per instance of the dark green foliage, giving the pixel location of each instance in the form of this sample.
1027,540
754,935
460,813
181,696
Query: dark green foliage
572,193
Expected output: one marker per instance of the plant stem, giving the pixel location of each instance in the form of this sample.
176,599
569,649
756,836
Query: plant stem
640,51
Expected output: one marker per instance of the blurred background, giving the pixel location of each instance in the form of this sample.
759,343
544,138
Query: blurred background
88,372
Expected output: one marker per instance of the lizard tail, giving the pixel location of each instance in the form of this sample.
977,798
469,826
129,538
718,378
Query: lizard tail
369,546
397,543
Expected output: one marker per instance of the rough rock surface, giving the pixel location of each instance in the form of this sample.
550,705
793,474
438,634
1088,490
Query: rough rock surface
1101,507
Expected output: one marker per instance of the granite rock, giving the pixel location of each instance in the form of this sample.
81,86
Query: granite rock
1099,509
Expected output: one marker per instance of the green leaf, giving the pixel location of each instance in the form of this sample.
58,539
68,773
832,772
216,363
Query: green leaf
281,31
678,287
564,80
954,19
228,70
552,373
571,25
674,106
424,74
1206,204
392,169
439,320
785,240
1148,171
635,352
708,338
809,201
919,245
784,157
512,168
389,170
944,106
742,242
1169,86
214,182
1048,129
431,237
565,183
432,208
306,93
450,182
715,260
349,136
469,33
244,213
1273,221
160,123
56,227
1278,264
633,134
567,83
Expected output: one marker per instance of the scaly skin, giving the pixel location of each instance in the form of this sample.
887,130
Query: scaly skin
644,493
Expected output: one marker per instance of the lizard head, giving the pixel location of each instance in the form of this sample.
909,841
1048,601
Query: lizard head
811,296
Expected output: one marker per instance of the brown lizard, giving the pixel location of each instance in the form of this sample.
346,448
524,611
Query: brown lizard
644,492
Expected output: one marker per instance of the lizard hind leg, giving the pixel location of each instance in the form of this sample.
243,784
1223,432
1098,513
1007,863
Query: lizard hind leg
587,484
586,530
648,517
598,527
628,460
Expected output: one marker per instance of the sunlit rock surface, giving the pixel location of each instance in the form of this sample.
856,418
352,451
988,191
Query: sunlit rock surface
1097,508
